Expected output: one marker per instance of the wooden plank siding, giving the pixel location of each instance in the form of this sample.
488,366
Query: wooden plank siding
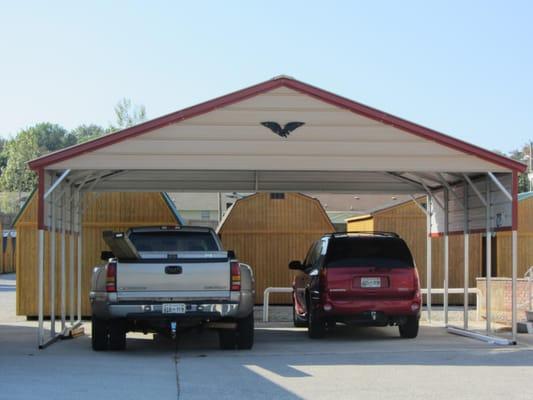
268,233
108,211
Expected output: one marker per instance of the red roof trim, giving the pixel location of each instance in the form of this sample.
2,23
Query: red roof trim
263,87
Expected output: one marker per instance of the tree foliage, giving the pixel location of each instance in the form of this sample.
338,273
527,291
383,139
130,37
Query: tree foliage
128,114
46,137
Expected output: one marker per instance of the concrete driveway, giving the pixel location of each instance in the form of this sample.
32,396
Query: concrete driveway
284,364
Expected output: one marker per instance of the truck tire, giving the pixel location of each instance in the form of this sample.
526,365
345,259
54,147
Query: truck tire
98,334
117,335
245,332
227,339
409,329
298,321
316,326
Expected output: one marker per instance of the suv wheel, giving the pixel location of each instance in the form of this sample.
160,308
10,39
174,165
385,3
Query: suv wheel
98,334
317,327
227,339
298,321
117,335
409,329
245,332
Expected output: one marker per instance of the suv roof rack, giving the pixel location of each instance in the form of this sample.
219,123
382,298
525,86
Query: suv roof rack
375,233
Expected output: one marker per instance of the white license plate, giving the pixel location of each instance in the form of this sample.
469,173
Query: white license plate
370,282
178,308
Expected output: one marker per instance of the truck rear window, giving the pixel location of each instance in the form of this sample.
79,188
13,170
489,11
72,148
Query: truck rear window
368,252
173,241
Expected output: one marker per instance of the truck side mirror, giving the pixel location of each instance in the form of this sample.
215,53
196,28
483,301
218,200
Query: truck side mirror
296,264
106,255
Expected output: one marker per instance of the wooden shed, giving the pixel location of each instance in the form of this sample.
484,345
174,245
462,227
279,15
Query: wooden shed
106,211
267,230
409,222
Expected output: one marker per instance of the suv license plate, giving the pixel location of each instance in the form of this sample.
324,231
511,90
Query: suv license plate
370,282
178,308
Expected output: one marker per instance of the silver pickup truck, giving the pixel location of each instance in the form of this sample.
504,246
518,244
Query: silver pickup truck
165,279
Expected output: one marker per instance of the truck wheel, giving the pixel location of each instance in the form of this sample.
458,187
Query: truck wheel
317,327
98,334
409,329
227,339
245,332
298,321
117,335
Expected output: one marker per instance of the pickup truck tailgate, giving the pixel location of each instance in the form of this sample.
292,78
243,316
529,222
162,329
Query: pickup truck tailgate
188,275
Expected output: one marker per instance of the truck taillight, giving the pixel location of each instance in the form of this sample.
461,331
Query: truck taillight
111,277
235,276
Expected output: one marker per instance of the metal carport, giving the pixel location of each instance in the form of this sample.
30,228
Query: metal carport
341,147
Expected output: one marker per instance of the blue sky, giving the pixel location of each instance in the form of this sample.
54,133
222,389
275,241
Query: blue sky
464,68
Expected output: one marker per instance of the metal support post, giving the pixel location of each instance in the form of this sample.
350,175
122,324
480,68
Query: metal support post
488,260
446,255
52,272
40,246
79,252
429,261
63,269
71,261
466,236
513,280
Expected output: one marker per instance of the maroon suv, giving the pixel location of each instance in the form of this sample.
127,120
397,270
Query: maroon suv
366,278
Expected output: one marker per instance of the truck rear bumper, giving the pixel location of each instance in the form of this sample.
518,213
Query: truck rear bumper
203,310
148,311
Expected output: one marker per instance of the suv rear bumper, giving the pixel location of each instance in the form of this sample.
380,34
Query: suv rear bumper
363,307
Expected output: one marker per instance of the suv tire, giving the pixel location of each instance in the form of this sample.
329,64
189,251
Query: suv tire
117,335
316,328
409,329
245,332
98,334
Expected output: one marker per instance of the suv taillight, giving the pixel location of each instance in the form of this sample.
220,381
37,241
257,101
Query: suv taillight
111,277
235,276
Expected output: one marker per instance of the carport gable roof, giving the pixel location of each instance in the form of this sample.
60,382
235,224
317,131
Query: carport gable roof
59,159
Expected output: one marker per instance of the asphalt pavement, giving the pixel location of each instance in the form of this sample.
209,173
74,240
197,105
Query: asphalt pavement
350,363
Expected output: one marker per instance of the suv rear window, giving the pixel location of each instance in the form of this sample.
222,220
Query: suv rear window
368,252
173,241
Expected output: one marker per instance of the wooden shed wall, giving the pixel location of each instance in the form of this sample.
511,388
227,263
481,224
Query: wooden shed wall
525,242
268,233
109,211
362,224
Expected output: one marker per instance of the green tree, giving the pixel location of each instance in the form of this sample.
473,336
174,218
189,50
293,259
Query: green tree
16,176
127,114
3,154
83,133
30,143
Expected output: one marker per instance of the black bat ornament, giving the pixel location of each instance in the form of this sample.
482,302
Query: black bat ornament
285,131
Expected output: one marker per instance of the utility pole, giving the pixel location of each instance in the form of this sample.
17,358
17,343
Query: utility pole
530,172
